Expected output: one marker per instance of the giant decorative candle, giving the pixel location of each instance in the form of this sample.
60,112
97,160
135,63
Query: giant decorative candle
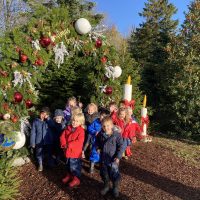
144,117
128,90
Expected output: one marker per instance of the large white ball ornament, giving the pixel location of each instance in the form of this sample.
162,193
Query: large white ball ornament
20,140
82,26
117,71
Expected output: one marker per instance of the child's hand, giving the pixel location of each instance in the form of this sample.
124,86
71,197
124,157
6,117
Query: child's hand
46,116
64,146
134,140
116,160
33,146
80,104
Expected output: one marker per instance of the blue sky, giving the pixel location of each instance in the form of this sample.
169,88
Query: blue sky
124,13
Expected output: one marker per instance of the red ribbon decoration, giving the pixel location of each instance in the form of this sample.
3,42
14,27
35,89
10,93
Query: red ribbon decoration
129,103
145,120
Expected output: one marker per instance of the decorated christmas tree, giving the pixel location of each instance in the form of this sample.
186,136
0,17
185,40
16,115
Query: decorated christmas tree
57,54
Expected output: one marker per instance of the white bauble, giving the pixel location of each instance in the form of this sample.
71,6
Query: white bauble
6,116
20,140
117,72
82,26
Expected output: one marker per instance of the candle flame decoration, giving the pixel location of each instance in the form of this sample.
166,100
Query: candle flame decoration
128,80
145,101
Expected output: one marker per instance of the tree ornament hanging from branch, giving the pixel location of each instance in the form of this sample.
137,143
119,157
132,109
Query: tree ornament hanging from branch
113,72
36,45
98,43
60,51
23,58
45,41
82,26
18,97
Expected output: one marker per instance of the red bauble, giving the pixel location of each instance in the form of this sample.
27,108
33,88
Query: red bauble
98,43
14,119
39,62
18,97
45,41
104,60
23,58
108,90
29,103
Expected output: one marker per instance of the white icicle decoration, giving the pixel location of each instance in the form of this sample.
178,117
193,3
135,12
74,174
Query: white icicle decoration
25,126
97,32
60,51
36,45
110,72
103,88
18,79
78,44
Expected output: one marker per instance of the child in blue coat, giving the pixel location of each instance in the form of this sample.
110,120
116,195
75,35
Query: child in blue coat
42,138
93,129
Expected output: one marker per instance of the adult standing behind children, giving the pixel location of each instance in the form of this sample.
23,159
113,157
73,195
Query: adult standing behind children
111,147
42,138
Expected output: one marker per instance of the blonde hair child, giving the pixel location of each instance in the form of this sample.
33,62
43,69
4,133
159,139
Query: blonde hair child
71,141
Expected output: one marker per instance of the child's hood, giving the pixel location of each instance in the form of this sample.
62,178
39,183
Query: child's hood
91,118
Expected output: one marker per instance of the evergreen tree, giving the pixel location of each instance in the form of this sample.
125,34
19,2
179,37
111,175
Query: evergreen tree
147,47
183,77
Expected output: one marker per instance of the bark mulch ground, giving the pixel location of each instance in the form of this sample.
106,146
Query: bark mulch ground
153,172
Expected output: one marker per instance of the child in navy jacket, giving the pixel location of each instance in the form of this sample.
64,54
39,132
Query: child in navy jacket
58,127
42,138
111,147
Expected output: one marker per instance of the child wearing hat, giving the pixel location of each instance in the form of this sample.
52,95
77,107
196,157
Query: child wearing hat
58,127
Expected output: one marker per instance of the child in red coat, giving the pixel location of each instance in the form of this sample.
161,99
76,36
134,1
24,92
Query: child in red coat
113,110
119,120
131,130
71,142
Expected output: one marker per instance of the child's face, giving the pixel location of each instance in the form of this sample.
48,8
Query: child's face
108,127
102,116
75,122
113,108
122,114
121,105
58,119
91,110
72,103
130,112
43,116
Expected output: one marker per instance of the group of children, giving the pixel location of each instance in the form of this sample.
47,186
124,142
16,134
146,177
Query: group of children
107,134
